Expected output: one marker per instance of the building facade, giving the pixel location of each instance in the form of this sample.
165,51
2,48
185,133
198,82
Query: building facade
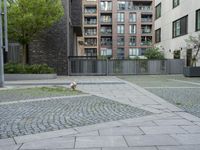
56,44
175,21
118,28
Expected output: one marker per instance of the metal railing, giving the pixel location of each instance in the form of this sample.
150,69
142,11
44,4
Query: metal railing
125,67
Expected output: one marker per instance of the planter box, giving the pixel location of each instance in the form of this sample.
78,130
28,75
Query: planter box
191,71
14,77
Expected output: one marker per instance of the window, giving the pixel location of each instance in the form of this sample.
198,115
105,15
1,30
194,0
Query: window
120,41
120,17
91,52
146,40
198,20
132,41
146,29
120,29
106,6
106,30
132,29
121,5
132,17
90,31
180,27
90,42
134,52
106,52
120,53
175,3
177,54
106,19
158,35
106,41
158,11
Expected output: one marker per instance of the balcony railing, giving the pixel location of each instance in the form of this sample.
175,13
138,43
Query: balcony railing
146,19
146,43
90,33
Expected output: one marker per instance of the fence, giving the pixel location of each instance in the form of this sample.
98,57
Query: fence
125,67
13,52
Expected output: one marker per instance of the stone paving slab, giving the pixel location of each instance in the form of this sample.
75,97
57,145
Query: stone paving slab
54,143
183,147
186,139
150,140
100,141
132,148
163,130
121,131
8,141
10,147
192,129
172,122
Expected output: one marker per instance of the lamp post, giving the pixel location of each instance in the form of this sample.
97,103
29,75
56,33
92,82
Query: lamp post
3,34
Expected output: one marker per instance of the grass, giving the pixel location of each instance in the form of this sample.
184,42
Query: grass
36,92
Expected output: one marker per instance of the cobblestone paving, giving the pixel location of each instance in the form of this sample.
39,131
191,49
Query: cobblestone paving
177,89
187,99
42,116
161,80
34,93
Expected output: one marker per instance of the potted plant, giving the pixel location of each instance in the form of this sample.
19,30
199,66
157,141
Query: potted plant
194,69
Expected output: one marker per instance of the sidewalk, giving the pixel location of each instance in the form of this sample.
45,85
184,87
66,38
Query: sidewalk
167,128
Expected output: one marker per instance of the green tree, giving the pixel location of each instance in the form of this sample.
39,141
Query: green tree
194,42
27,18
153,53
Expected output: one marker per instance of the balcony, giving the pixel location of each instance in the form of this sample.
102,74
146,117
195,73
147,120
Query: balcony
106,31
90,21
146,29
106,41
90,10
90,32
146,41
106,19
146,18
106,6
90,42
140,6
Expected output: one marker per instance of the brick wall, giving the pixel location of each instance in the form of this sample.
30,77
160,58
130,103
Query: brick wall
54,44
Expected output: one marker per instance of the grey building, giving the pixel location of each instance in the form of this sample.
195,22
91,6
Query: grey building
54,45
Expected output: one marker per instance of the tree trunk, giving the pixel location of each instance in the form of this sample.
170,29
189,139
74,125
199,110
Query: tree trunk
25,59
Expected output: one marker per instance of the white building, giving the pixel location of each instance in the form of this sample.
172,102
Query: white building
175,20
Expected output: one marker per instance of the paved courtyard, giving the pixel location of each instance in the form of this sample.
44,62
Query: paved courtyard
113,114
176,89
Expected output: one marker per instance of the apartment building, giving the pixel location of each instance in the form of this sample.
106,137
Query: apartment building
118,28
175,20
56,44
90,27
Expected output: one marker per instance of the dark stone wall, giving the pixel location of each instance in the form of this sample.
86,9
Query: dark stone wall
51,46
76,12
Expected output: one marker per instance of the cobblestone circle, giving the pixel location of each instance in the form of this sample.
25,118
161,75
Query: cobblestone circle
43,116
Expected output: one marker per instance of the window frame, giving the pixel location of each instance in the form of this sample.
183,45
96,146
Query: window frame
159,40
181,26
196,19
120,17
174,6
120,26
156,16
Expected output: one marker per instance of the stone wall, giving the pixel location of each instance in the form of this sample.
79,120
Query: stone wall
54,45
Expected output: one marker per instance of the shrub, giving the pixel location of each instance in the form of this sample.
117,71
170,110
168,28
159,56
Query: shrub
153,53
12,68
